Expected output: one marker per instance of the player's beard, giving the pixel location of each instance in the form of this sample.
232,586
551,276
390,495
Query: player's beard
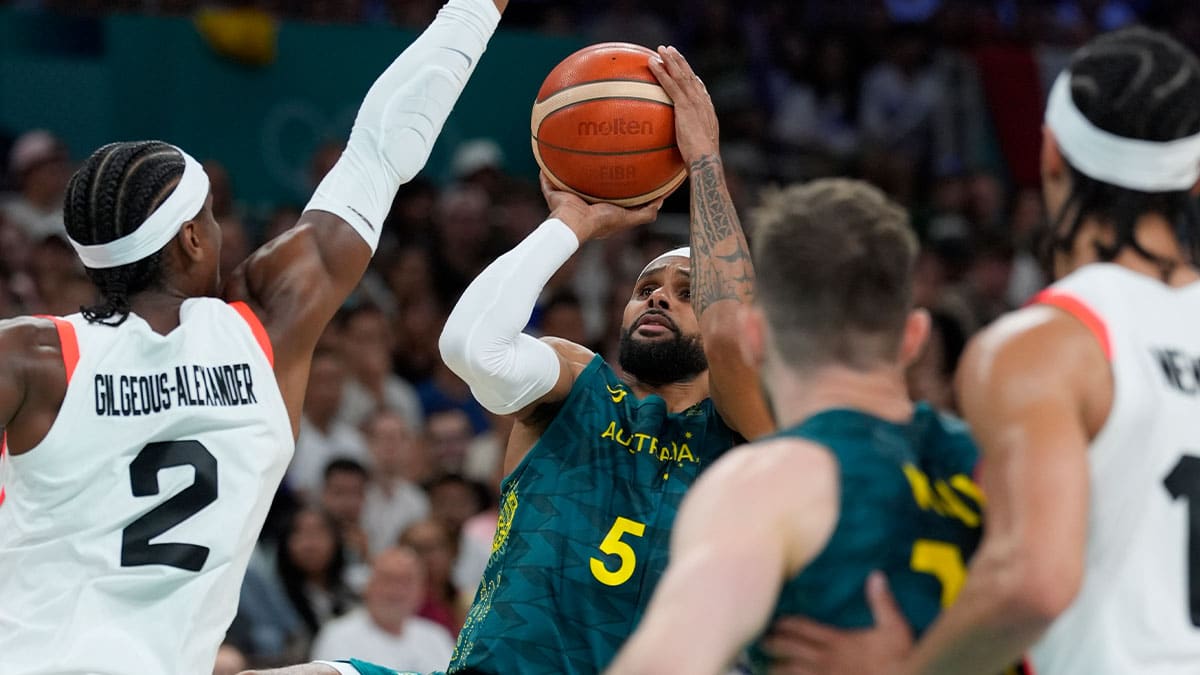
659,362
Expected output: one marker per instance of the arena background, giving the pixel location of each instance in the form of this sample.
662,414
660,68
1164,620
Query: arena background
939,102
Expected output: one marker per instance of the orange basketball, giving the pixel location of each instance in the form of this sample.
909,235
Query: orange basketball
604,129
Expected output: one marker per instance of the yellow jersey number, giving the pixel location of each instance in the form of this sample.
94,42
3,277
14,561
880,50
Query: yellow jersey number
614,545
943,561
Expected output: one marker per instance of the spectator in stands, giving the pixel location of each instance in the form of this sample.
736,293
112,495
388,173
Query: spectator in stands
394,499
386,629
415,353
899,98
479,162
448,433
562,316
40,166
462,245
437,550
60,285
343,496
323,436
366,343
311,564
453,500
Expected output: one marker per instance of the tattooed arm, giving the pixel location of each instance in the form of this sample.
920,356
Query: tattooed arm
722,273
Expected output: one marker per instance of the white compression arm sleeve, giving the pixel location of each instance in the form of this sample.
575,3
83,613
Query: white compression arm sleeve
403,114
482,341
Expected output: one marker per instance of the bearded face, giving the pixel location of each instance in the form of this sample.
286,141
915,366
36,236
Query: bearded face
660,337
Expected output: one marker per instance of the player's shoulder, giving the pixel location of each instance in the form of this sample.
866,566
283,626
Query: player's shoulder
572,352
28,335
785,462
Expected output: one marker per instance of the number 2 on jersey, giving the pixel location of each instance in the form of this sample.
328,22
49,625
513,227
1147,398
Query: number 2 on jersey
613,545
136,548
1184,481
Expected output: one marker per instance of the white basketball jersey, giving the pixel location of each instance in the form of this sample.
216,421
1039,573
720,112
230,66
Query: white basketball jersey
125,534
1138,611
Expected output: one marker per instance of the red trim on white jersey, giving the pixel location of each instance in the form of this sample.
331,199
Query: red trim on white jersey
256,326
1075,307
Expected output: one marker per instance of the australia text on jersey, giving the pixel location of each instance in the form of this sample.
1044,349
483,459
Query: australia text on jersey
184,386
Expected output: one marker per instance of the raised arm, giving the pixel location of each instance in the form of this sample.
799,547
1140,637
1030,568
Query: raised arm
298,281
722,273
1025,385
730,556
511,373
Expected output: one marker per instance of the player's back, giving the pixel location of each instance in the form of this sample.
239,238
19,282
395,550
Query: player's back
907,507
125,533
1139,607
585,523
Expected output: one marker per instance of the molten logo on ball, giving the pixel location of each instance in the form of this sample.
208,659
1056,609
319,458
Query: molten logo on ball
617,127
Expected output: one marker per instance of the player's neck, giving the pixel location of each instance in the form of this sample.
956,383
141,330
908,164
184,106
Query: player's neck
1156,235
679,396
159,308
795,397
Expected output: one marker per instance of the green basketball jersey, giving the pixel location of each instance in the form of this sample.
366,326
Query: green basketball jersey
908,507
584,529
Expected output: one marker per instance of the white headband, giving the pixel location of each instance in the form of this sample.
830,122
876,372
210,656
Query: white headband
1148,166
182,205
682,252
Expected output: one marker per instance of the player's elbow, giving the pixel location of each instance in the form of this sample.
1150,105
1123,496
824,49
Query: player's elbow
1037,588
454,347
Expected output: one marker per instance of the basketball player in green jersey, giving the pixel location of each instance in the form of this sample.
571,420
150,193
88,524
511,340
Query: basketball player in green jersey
858,479
598,462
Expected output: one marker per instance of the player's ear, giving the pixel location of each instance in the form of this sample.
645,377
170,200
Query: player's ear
916,334
191,239
753,324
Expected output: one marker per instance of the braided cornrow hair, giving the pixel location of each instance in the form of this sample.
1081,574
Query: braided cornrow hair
1140,84
113,193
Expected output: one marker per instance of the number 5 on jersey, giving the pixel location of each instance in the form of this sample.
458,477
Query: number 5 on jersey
614,545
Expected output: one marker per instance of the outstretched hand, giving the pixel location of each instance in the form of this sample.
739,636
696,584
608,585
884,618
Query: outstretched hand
800,646
696,129
595,221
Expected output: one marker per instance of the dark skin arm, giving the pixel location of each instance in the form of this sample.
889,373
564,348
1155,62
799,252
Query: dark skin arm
722,273
33,381
295,283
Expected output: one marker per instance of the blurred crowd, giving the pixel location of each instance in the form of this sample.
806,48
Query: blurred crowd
917,96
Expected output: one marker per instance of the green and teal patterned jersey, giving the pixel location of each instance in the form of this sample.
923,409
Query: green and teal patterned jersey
584,529
908,507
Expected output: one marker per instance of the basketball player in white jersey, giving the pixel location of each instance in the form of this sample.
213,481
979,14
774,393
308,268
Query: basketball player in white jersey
145,437
1087,403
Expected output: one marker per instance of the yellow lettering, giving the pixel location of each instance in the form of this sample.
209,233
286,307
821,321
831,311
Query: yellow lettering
666,453
685,453
641,439
611,431
653,445
628,439
919,483
965,485
954,506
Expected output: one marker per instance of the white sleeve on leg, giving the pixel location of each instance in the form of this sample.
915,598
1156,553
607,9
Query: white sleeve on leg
403,114
482,341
